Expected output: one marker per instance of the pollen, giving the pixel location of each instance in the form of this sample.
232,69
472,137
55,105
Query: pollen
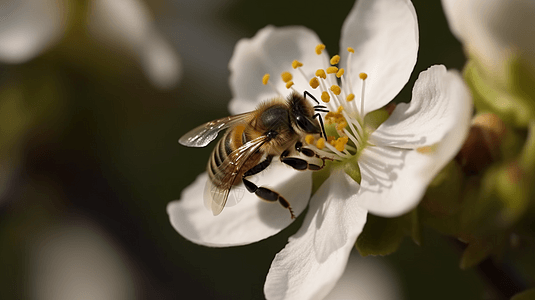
363,76
296,64
325,97
340,73
321,73
289,84
320,143
265,79
309,139
349,49
320,48
330,139
340,143
341,125
350,97
314,82
336,90
286,76
332,70
427,149
335,59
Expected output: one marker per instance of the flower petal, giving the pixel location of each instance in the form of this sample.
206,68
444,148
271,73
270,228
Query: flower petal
394,179
315,257
249,221
440,103
384,35
272,51
29,27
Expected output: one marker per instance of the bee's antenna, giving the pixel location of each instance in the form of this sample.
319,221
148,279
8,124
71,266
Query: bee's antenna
318,108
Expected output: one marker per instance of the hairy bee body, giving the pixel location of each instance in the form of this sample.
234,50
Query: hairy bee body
275,128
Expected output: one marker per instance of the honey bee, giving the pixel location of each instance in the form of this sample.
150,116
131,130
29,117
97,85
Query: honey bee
275,128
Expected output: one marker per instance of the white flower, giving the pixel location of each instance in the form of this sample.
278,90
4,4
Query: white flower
396,161
494,30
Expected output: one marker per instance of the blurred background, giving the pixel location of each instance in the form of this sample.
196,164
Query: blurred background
94,95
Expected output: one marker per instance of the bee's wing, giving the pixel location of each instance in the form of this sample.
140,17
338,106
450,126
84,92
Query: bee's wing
216,197
207,132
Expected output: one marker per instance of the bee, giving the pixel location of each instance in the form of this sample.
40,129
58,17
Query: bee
275,128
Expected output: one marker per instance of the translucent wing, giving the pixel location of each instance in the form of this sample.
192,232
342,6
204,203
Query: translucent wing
216,195
207,132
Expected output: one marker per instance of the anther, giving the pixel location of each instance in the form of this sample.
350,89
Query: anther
289,84
363,76
350,97
340,73
321,73
349,49
332,70
265,79
296,64
309,139
325,97
314,82
336,90
335,59
320,143
320,48
286,76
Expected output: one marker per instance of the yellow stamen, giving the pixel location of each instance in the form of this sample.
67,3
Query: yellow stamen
335,59
340,108
296,64
340,73
325,97
350,49
427,149
286,76
350,97
320,48
314,82
309,139
320,143
321,73
341,143
363,76
265,79
289,84
336,90
332,70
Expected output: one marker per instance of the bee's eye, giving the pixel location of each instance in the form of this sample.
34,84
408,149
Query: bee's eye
306,125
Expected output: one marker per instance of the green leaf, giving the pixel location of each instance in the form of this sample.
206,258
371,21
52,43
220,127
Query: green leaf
525,295
383,236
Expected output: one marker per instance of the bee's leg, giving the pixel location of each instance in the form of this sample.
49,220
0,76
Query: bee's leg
301,164
263,192
320,108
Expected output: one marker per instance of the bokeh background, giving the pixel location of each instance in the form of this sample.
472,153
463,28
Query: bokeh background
92,102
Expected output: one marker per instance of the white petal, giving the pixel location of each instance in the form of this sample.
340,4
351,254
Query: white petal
440,103
28,27
370,278
250,220
315,257
393,179
160,62
384,34
272,51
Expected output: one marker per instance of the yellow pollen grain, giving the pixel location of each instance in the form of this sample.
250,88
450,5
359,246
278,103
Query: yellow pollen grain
309,139
336,89
363,76
314,82
319,49
321,73
320,143
335,59
325,97
286,76
340,73
265,79
332,70
341,125
349,49
289,84
350,97
340,143
427,149
339,109
296,64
